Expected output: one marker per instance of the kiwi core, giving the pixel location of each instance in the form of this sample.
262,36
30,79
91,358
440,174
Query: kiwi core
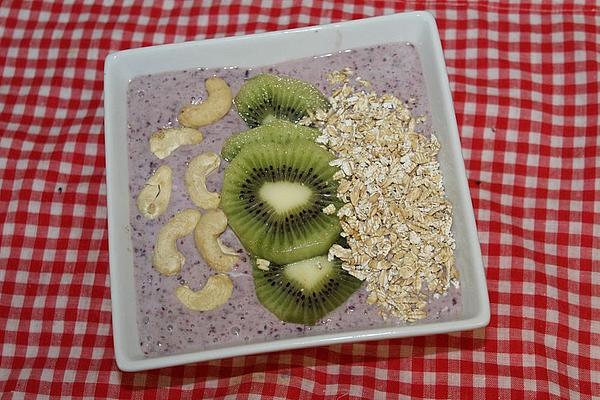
284,196
268,118
308,273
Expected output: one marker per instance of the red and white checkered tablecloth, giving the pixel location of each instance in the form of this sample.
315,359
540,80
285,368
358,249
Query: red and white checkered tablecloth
524,77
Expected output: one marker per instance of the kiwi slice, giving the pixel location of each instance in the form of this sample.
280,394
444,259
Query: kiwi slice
274,194
266,97
277,131
305,291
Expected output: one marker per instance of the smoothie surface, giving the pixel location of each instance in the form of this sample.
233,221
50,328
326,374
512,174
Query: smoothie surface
165,325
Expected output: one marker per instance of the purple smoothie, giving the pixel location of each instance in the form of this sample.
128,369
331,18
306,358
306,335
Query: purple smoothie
165,325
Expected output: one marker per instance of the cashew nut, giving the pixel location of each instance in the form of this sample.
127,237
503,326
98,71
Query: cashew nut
215,293
210,110
211,225
166,141
154,197
167,259
195,180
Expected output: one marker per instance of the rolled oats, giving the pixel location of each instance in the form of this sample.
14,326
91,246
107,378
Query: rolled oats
262,264
330,209
396,218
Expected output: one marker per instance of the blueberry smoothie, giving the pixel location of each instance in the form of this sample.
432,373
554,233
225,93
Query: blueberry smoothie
165,325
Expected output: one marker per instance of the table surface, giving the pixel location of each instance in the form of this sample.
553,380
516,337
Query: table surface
524,78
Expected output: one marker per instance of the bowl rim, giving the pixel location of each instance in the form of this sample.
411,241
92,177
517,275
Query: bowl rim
116,64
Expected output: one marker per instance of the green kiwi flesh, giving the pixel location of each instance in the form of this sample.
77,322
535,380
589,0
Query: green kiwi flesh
266,97
305,291
276,131
273,195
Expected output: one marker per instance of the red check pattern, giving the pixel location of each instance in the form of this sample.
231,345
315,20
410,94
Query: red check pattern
524,77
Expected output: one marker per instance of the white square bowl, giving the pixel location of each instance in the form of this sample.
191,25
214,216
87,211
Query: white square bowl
420,29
